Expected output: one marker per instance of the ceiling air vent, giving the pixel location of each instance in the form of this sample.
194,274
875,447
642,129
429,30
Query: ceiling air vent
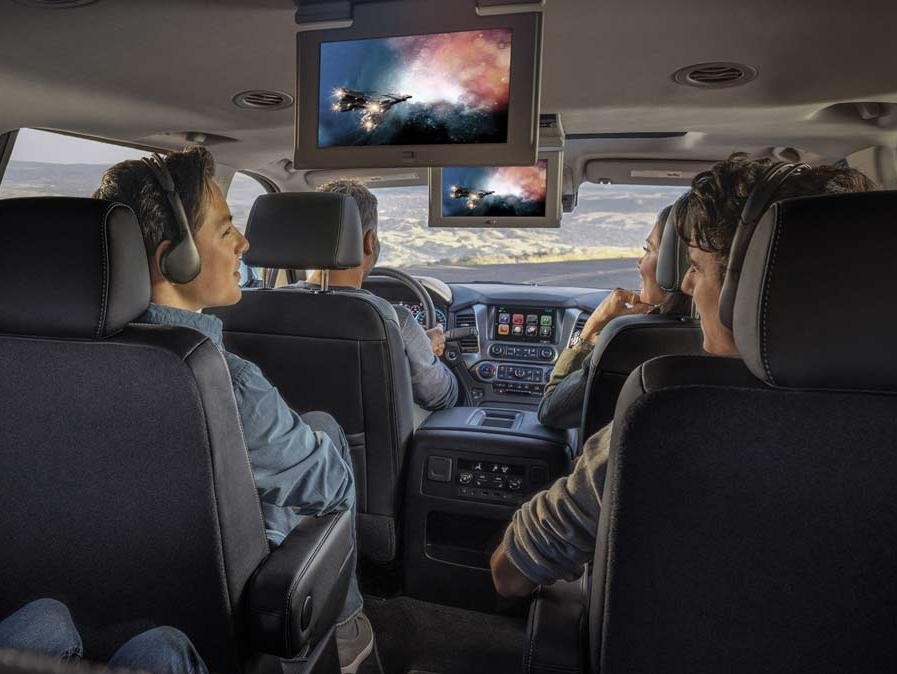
55,4
259,99
468,344
715,75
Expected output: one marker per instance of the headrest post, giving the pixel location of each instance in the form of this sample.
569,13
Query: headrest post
325,280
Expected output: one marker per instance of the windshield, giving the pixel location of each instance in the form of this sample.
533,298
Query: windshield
595,247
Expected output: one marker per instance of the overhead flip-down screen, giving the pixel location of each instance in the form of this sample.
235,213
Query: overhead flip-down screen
419,83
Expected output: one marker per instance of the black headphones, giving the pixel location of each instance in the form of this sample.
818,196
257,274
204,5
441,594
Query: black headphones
180,262
758,202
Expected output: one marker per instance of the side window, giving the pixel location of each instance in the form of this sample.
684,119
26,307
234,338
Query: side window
44,164
241,194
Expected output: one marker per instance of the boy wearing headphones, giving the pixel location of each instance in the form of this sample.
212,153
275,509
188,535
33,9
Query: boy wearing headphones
301,465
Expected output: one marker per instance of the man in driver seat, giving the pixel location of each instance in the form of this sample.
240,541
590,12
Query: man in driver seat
433,384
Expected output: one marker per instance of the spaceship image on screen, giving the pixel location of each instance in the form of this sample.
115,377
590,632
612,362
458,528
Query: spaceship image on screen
506,191
373,107
433,89
472,195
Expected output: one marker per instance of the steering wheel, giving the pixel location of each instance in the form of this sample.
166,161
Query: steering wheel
414,286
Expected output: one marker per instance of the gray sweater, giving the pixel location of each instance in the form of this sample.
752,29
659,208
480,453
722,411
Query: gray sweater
432,383
553,534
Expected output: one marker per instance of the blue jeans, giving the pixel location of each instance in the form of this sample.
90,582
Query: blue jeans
321,421
46,626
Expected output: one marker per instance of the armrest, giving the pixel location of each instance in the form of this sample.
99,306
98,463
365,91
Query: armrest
298,591
555,628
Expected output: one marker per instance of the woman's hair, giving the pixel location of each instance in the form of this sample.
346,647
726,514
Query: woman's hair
709,217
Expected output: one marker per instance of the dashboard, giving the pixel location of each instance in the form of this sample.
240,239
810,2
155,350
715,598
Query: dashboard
521,331
418,312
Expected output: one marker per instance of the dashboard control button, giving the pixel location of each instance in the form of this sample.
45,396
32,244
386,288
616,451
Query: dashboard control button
546,353
515,484
496,350
465,477
439,468
538,475
520,373
486,370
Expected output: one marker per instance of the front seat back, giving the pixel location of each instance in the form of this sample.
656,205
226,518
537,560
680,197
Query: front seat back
628,341
126,491
339,351
748,521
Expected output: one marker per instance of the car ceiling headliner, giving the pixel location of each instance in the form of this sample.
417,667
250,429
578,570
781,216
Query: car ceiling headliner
142,70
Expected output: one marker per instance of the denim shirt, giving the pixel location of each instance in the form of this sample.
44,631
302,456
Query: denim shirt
297,471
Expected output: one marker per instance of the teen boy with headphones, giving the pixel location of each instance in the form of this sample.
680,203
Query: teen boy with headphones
301,465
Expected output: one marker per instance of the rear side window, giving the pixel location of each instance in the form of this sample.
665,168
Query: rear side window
241,194
45,164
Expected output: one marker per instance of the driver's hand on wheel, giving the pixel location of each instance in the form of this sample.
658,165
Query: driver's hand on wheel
437,339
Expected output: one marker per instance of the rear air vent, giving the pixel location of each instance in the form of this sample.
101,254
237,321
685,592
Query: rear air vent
468,344
55,4
715,75
258,99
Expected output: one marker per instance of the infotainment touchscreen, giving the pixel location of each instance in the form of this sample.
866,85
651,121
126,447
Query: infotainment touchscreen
525,324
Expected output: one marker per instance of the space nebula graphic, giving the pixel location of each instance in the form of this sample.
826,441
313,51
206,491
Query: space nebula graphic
506,191
443,88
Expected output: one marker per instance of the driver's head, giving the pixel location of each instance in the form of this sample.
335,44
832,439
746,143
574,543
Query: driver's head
367,206
708,219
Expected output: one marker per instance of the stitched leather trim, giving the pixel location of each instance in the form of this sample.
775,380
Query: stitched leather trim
764,325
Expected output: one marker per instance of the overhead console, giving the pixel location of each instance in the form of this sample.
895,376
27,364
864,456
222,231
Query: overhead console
411,104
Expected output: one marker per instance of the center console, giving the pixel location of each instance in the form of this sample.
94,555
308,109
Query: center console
470,469
518,347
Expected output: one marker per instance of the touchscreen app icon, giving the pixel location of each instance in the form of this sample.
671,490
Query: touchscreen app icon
546,319
517,319
531,318
545,331
531,330
503,329
504,318
517,330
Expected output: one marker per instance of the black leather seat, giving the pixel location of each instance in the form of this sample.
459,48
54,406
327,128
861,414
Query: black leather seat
127,492
749,521
340,352
628,341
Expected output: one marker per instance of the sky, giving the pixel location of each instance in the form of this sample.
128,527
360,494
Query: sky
34,145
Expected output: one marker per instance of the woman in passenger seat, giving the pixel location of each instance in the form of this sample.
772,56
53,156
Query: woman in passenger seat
564,395
552,535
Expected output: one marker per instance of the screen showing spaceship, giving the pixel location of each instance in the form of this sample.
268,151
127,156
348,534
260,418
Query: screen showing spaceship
504,191
434,89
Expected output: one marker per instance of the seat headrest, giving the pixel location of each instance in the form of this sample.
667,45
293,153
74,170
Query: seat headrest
672,258
304,230
70,267
812,305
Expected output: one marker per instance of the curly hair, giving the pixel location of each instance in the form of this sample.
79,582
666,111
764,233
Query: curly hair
708,218
133,183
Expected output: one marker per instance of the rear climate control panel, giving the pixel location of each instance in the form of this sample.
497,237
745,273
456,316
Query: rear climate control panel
484,479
